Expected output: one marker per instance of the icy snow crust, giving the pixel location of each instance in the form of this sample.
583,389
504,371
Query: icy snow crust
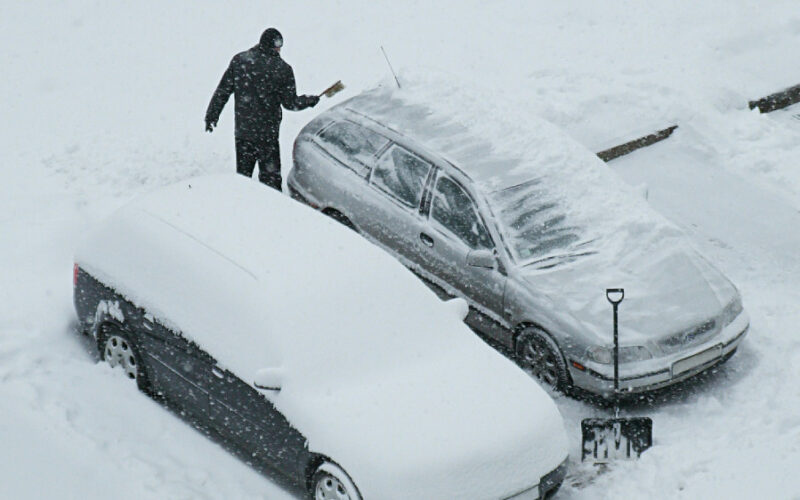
378,372
603,232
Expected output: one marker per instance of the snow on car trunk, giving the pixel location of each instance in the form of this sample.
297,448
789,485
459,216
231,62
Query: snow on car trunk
376,370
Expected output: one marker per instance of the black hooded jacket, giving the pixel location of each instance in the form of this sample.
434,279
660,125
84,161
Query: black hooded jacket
261,82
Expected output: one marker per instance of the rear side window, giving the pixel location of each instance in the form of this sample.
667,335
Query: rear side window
353,145
454,210
402,175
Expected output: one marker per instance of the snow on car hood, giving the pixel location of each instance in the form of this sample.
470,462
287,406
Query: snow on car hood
375,367
668,288
463,424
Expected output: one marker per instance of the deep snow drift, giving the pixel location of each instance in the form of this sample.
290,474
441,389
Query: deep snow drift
104,102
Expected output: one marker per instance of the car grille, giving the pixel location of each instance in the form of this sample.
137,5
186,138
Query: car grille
692,336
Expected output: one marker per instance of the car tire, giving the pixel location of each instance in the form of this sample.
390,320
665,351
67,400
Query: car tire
539,354
118,350
339,217
330,482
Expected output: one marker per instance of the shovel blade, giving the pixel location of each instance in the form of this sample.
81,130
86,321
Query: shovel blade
607,439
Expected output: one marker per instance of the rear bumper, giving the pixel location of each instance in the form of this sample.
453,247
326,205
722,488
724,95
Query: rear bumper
673,369
548,485
295,193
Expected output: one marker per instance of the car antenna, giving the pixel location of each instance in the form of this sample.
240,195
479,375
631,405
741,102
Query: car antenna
390,67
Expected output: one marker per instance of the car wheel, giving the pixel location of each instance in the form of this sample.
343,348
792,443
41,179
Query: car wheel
339,217
539,354
330,482
118,350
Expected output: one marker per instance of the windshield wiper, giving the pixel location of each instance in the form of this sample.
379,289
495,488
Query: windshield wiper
559,258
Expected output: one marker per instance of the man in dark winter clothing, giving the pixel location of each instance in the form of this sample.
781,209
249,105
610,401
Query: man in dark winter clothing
261,82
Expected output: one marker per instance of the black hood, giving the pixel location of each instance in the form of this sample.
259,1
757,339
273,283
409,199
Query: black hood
270,39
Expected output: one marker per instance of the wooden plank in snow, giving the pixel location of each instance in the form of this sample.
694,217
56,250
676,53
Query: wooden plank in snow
623,149
778,100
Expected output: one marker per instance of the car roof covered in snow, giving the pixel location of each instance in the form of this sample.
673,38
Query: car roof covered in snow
533,175
493,149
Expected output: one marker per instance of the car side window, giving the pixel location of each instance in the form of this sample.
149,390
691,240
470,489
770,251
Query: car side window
353,145
455,211
402,175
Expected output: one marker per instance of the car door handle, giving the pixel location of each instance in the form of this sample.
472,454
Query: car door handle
217,372
427,240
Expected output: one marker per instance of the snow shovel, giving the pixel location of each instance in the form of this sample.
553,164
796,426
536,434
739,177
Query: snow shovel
606,439
332,90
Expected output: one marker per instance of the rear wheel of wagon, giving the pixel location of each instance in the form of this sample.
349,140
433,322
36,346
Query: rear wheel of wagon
339,217
119,351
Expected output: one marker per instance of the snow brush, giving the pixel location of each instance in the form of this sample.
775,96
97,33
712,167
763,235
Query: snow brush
332,90
606,439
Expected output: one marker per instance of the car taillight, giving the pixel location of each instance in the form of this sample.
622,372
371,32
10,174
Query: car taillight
75,275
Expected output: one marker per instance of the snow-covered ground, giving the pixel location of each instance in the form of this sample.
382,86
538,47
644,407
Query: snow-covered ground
102,102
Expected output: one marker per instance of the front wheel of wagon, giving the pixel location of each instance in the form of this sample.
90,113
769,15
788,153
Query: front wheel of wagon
117,348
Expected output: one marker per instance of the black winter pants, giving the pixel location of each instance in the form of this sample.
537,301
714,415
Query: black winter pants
268,156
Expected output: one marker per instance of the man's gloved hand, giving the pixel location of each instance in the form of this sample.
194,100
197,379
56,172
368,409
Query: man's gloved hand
210,125
311,100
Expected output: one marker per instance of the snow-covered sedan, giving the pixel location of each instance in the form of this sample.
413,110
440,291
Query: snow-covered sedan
528,226
310,350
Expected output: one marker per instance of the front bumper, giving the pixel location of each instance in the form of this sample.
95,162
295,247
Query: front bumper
670,369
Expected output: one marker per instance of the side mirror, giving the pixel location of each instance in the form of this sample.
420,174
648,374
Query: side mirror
481,258
268,379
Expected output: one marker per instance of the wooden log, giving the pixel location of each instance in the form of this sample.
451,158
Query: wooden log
623,149
778,100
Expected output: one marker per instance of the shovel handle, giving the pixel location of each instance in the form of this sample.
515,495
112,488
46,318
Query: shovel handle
615,295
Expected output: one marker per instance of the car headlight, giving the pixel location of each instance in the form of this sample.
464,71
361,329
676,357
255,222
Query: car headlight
602,355
627,354
732,310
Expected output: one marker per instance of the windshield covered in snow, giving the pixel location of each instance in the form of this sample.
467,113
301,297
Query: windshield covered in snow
536,227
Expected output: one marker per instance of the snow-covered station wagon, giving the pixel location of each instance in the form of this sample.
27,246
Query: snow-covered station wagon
311,350
511,214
